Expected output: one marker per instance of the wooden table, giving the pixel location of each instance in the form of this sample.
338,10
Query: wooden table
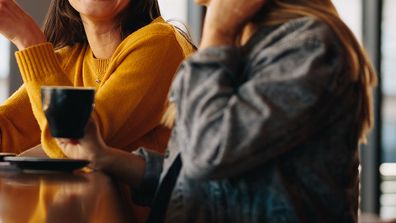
60,197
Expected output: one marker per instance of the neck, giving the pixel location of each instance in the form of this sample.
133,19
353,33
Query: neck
103,38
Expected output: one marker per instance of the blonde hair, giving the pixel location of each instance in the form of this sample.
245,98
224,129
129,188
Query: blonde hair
277,12
169,117
359,67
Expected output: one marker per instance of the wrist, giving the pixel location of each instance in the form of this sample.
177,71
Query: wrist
217,37
102,160
35,37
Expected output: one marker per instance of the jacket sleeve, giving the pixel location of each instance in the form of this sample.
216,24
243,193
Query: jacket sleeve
144,194
225,128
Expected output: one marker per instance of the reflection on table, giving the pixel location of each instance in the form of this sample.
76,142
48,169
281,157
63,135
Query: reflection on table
60,197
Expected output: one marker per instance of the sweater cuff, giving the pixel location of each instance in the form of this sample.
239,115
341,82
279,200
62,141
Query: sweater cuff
37,62
144,193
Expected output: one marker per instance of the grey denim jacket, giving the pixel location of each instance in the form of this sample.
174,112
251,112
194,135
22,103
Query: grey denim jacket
267,132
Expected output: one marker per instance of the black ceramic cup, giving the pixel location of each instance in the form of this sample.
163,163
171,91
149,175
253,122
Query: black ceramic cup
67,109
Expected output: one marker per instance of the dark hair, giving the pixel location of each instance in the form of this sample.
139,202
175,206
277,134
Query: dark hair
63,25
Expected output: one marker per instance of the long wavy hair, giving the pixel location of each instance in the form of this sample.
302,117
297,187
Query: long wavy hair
359,66
276,12
63,25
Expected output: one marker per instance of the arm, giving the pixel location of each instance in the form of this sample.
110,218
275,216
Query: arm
122,165
141,169
137,84
18,127
227,128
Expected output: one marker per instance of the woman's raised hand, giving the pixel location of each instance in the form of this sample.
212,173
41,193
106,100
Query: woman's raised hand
17,26
225,19
91,147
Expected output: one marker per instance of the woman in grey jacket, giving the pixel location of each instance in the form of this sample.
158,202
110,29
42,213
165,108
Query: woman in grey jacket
270,114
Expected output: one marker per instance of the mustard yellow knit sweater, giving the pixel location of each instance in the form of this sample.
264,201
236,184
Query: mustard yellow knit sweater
131,89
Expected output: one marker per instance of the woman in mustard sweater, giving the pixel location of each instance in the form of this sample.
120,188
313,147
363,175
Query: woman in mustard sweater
122,48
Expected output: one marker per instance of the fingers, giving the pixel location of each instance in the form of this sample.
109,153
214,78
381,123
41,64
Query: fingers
247,9
91,124
225,18
258,3
87,147
90,130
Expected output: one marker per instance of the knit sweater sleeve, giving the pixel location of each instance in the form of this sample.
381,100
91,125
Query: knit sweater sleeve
140,74
18,127
39,66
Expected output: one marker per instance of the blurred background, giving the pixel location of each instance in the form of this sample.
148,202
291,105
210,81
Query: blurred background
373,23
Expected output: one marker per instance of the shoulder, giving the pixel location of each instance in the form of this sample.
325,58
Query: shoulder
158,26
158,29
157,34
301,33
303,39
306,26
304,51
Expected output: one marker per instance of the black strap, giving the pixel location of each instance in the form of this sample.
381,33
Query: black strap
163,193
